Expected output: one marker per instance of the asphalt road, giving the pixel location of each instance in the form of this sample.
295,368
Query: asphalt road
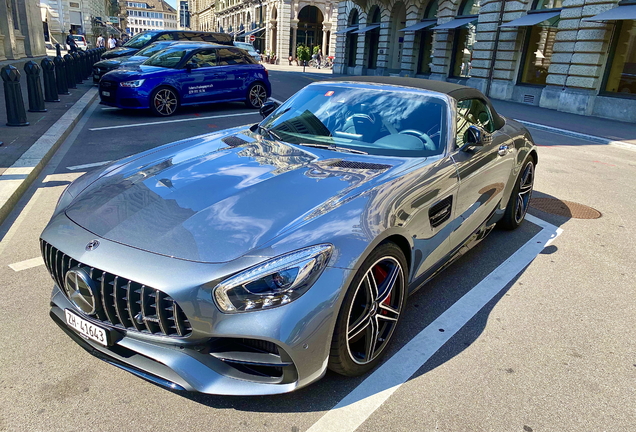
553,350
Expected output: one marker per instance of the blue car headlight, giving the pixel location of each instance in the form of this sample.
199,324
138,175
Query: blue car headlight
275,282
132,84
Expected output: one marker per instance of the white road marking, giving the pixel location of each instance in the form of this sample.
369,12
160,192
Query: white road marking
109,108
593,138
173,121
90,165
276,100
358,405
27,264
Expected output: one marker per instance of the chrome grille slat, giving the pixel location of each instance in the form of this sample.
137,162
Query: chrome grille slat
122,299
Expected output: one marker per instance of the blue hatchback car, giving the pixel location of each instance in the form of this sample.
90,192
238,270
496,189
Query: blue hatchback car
187,75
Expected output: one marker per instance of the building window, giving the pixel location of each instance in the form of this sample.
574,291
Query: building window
539,43
74,5
621,75
424,39
373,38
352,39
464,40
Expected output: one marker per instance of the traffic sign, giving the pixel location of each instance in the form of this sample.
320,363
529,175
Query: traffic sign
252,38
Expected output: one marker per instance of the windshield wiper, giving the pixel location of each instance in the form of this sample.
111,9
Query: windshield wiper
334,148
269,132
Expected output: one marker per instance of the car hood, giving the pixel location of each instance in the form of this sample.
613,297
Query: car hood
112,63
133,61
214,201
136,72
119,52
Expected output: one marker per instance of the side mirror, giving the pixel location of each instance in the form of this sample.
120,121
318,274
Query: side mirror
268,108
190,65
473,138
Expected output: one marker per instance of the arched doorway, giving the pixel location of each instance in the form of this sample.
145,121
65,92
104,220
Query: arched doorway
373,37
464,40
351,42
398,21
309,32
424,40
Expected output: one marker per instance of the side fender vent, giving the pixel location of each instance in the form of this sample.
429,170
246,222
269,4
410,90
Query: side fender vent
359,165
234,141
440,212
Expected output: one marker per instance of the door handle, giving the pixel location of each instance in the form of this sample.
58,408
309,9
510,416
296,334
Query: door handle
503,150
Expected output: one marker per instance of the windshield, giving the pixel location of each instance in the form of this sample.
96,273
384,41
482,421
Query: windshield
78,38
152,49
140,40
393,122
169,58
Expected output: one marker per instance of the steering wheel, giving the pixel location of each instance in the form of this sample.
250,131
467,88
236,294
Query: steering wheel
428,142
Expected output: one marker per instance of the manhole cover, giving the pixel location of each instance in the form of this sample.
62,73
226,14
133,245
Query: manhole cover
564,208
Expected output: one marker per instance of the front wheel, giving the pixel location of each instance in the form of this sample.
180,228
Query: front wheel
164,102
520,199
256,96
370,312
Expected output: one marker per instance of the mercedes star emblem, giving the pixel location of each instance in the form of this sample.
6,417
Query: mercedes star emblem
92,245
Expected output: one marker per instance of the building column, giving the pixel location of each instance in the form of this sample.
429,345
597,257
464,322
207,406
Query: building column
284,27
326,28
409,56
294,32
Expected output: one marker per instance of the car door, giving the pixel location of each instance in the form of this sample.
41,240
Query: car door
236,70
201,82
483,170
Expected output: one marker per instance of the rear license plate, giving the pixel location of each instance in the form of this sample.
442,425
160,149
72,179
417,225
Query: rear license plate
86,328
105,93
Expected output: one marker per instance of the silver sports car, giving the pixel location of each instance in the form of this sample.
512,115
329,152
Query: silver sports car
249,261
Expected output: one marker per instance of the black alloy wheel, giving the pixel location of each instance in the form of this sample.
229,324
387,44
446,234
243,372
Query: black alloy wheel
164,102
370,312
256,96
520,198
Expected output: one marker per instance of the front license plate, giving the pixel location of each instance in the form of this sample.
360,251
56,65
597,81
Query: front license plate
105,93
96,77
86,328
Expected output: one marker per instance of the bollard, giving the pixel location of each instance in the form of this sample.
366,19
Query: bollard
60,76
16,115
58,50
82,64
34,87
77,68
48,76
70,71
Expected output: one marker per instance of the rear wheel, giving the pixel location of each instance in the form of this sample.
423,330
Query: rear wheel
256,96
370,312
164,102
520,198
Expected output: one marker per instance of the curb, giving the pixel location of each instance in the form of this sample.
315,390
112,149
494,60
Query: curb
19,176
593,138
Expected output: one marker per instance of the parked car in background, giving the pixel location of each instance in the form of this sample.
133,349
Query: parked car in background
187,74
142,40
250,49
249,260
81,42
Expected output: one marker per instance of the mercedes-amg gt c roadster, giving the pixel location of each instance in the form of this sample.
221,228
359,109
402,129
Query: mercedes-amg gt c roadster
251,260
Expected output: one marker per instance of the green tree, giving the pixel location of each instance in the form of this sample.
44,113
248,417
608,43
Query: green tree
316,49
302,53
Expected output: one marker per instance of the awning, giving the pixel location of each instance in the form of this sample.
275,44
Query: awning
368,28
456,23
347,30
420,26
251,32
531,19
625,12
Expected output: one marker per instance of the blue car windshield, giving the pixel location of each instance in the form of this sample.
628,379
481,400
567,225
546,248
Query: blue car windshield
169,58
152,49
140,40
378,120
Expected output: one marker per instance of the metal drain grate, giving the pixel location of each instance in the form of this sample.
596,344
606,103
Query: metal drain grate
529,99
564,208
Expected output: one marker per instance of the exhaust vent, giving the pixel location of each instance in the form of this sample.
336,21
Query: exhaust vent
234,141
359,165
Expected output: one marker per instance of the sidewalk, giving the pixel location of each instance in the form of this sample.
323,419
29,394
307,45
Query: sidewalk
286,68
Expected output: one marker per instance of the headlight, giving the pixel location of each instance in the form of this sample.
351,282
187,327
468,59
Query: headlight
273,283
134,84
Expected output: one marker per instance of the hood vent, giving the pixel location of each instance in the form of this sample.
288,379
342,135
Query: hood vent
359,165
234,141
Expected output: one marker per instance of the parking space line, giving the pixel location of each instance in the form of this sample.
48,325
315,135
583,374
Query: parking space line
276,100
27,264
90,165
357,406
173,121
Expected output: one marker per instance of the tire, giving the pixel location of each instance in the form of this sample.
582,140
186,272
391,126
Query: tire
362,332
164,102
520,198
256,95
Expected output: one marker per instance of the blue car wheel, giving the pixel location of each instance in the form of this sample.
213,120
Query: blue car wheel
164,102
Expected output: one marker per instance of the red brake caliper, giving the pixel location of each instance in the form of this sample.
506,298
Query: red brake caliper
380,275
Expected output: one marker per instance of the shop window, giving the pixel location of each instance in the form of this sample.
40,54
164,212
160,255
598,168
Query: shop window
539,43
464,40
621,75
425,41
373,39
352,39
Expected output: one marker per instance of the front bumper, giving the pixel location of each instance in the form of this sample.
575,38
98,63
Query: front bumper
122,97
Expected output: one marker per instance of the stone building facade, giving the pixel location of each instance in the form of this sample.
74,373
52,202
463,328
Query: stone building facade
20,29
575,56
202,14
85,17
277,25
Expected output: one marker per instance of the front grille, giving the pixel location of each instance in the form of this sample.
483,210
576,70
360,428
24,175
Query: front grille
111,88
124,303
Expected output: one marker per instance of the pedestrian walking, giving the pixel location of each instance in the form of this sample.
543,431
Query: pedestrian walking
319,58
111,42
100,41
71,42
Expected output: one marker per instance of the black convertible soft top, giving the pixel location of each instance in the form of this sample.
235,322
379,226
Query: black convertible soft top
456,91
